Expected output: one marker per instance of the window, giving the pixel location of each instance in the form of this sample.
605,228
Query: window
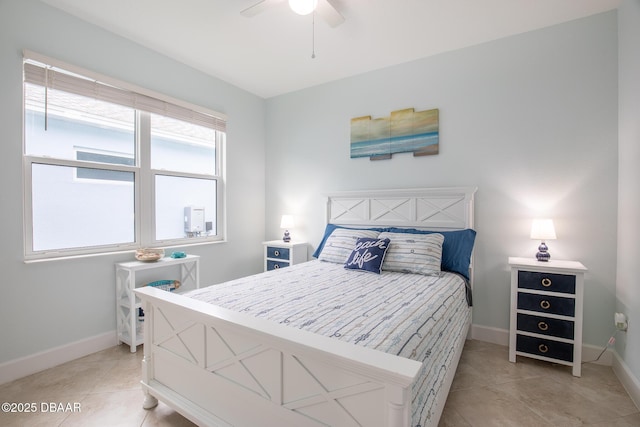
108,167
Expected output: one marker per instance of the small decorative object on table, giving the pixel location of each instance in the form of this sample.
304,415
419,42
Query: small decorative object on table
165,285
178,255
149,254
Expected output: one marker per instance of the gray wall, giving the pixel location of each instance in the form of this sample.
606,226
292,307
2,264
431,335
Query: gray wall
628,290
49,304
531,120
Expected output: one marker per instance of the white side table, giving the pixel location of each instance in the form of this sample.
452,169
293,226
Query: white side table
546,311
280,254
128,327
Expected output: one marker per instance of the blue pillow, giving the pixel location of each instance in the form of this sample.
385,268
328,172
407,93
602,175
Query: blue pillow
456,249
368,255
329,229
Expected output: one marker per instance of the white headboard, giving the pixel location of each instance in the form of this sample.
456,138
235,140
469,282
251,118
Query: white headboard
425,208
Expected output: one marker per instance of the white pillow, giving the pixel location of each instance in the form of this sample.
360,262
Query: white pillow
341,242
413,253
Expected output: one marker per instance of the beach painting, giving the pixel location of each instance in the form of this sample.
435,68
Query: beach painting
404,131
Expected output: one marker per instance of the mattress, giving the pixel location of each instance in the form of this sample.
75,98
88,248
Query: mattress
414,316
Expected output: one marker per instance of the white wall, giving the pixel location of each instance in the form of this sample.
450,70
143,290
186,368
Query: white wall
50,304
531,120
628,287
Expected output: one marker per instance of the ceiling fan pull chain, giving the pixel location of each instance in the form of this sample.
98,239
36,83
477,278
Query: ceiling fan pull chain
313,35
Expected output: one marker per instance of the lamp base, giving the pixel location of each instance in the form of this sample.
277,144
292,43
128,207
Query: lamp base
542,254
286,237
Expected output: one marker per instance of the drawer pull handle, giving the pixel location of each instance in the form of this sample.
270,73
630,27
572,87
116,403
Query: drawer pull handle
276,266
545,304
543,348
543,326
276,252
546,282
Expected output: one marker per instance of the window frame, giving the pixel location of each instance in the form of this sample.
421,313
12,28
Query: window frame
144,177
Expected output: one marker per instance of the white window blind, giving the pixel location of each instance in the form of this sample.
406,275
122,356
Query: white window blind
55,78
123,162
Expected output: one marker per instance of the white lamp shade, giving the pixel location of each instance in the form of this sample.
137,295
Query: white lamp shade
303,7
543,229
287,221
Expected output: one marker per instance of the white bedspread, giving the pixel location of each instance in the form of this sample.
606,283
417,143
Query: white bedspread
414,316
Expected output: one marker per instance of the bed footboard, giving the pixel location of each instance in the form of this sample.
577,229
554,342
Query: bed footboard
221,368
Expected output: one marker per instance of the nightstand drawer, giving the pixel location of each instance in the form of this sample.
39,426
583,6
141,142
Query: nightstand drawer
546,304
544,347
274,265
278,253
547,282
546,311
546,326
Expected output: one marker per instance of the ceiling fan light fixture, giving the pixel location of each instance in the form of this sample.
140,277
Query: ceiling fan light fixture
303,7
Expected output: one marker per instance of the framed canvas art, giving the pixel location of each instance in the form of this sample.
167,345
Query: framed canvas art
403,131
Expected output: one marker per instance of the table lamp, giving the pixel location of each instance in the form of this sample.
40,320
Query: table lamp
542,229
286,222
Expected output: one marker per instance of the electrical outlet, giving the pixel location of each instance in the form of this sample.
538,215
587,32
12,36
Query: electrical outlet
621,321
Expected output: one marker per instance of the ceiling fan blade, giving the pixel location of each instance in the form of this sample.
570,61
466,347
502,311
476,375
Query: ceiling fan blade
259,7
329,13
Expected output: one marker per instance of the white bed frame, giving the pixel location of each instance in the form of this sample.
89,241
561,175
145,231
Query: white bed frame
221,368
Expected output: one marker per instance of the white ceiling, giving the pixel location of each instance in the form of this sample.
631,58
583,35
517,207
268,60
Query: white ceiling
270,54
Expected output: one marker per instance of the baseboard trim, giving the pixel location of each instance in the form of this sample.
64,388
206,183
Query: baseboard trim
501,337
21,367
626,377
489,334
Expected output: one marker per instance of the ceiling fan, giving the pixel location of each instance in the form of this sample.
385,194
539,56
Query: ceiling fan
323,8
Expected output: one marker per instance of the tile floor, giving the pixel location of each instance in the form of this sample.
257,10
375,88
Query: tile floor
487,391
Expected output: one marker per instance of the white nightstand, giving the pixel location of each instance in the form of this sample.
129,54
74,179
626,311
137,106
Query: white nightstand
546,311
279,254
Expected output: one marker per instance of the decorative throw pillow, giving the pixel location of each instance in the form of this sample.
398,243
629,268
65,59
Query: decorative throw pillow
331,227
413,253
456,249
368,255
341,242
